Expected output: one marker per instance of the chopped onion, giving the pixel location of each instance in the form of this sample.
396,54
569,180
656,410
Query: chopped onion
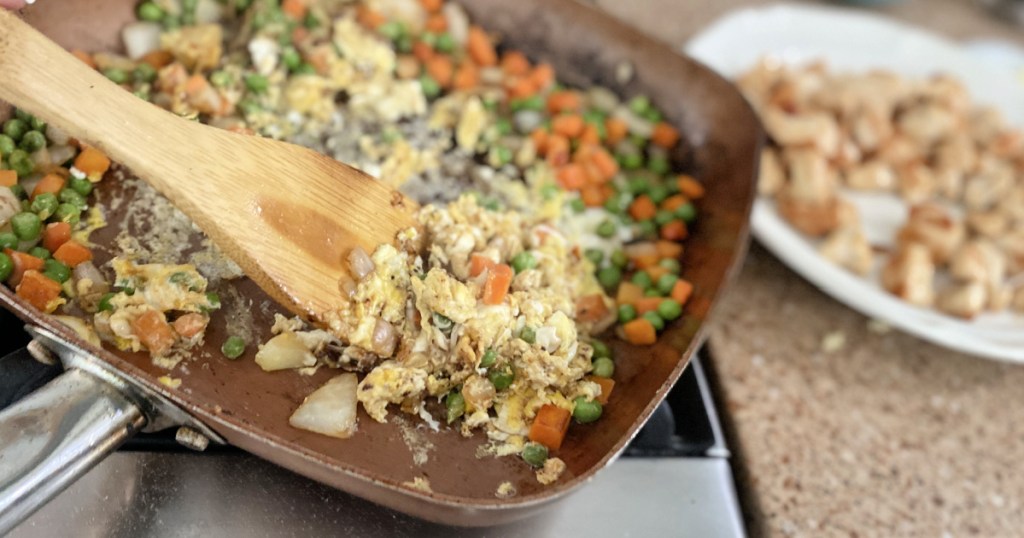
9,206
330,409
140,38
638,250
41,158
637,125
347,286
458,22
208,12
384,338
283,352
360,263
56,136
61,154
88,271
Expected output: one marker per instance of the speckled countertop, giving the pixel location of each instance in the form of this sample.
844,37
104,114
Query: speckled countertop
886,435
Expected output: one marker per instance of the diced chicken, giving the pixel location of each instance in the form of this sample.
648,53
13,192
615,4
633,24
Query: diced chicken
917,183
926,124
935,227
871,176
816,129
965,300
870,130
909,274
772,175
809,200
849,248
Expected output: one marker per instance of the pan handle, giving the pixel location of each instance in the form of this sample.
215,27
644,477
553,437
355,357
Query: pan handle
56,434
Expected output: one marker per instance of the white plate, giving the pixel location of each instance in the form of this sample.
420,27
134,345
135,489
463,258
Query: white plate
852,41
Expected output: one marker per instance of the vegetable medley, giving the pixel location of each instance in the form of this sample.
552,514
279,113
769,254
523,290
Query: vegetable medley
568,228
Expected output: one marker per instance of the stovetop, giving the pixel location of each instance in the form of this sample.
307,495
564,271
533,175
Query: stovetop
674,479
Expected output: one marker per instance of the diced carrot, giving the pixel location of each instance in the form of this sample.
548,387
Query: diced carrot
593,195
645,261
615,130
38,290
478,263
647,304
642,208
467,77
92,162
56,234
423,51
590,135
549,426
520,87
437,23
240,129
674,230
190,324
690,187
158,59
432,6
664,135
640,332
591,308
607,384
72,253
499,278
299,34
196,84
669,249
8,178
51,183
540,140
543,75
674,202
629,293
441,69
568,125
605,163
643,248
594,175
85,57
681,291
514,63
154,332
563,101
296,9
369,17
22,262
480,47
557,150
572,177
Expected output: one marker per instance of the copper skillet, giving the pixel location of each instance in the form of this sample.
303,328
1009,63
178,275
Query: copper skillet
249,408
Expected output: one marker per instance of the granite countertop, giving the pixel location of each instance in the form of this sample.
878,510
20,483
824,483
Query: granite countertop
840,426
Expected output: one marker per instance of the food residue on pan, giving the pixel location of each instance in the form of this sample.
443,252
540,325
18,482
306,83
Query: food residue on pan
419,483
506,490
553,218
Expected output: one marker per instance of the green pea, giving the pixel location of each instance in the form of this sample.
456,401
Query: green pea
445,42
528,334
40,252
104,304
233,347
618,203
18,191
687,212
27,226
501,379
499,156
117,76
504,126
71,196
391,30
8,240
523,261
640,104
6,266
653,115
212,300
55,270
627,313
647,229
37,124
456,404
606,229
535,454
430,86
173,22
7,144
577,205
21,162
600,349
548,191
663,217
256,83
403,44
15,128
311,21
595,255
642,279
80,185
586,411
652,292
68,213
666,283
658,193
670,309
631,161
44,205
22,115
443,323
491,204
144,73
619,259
150,12
305,69
655,320
659,165
32,141
26,205
489,358
221,79
534,102
609,277
637,185
142,93
603,367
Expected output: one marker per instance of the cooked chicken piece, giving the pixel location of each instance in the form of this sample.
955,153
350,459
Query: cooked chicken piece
1012,205
796,92
757,83
956,152
871,176
808,201
1012,246
878,90
849,248
847,215
909,274
870,129
899,150
816,129
991,223
965,300
984,124
849,153
1007,144
982,261
772,176
917,183
986,188
948,93
926,124
949,183
935,227
1017,301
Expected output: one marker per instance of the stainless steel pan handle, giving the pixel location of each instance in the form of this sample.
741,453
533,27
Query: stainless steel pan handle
53,436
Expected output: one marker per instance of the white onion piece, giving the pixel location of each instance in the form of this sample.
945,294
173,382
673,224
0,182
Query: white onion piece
360,263
385,338
208,12
638,250
330,409
61,154
347,286
81,328
637,125
408,12
140,38
458,22
40,159
283,352
9,206
88,271
55,135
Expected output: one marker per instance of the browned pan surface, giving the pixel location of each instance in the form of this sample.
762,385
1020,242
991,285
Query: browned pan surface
250,408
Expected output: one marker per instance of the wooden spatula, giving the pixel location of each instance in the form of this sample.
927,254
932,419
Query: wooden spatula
287,215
